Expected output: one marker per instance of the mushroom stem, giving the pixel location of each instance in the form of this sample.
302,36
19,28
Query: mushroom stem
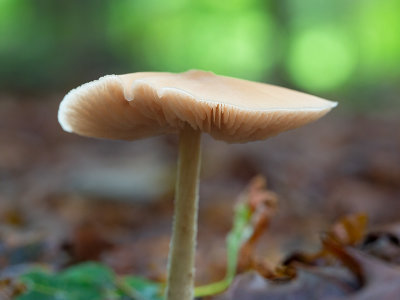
183,242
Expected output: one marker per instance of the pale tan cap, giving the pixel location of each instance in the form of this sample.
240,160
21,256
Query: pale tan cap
140,105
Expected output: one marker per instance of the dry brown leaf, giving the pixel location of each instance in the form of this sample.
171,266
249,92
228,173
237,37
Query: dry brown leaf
311,283
349,230
263,205
380,279
338,271
10,288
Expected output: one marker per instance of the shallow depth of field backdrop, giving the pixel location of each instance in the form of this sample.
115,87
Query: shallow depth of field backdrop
66,199
344,50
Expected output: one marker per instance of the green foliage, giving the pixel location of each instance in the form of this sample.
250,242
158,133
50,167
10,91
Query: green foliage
311,54
88,281
327,47
196,34
141,289
378,30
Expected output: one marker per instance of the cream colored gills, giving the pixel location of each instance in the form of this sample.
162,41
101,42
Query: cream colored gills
229,109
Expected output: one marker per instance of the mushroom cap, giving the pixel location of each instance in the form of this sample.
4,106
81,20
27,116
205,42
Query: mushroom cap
140,105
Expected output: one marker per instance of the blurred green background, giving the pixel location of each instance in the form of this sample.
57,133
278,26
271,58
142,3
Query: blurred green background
343,50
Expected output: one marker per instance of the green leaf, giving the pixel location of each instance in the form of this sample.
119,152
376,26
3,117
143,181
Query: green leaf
91,273
141,289
88,281
239,233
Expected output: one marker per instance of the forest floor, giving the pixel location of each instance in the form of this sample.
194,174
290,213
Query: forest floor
66,199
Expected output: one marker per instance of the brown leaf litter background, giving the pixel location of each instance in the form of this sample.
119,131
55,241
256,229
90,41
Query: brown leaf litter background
333,233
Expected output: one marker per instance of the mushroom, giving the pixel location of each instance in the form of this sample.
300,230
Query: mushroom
140,105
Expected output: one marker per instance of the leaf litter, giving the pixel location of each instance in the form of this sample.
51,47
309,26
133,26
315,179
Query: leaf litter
341,269
44,222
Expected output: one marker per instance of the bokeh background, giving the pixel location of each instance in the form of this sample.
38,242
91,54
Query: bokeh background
347,50
66,199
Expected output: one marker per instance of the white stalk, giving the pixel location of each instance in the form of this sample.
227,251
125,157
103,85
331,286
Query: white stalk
180,280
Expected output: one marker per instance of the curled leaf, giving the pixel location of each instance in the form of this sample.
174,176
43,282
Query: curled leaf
253,212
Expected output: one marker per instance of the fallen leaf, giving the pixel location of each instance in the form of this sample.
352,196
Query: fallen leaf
309,284
349,230
253,212
380,279
384,243
88,281
263,206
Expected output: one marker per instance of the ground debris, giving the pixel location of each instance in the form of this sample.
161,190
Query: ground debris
340,270
309,284
10,288
55,209
263,205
